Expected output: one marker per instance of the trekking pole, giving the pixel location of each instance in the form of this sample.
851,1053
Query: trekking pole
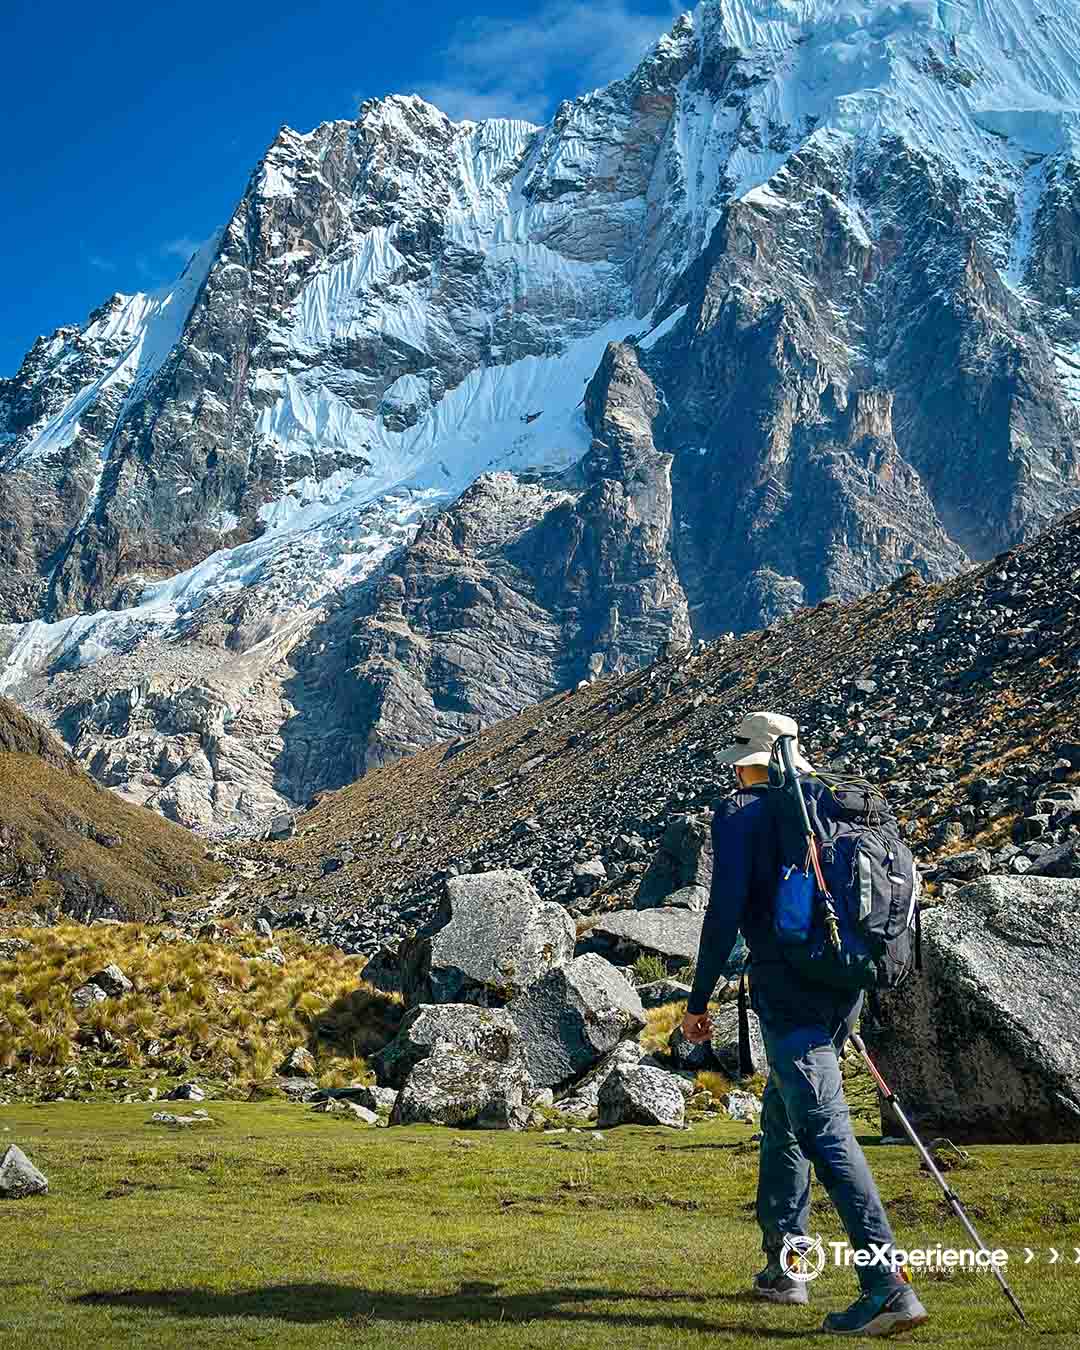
950,1195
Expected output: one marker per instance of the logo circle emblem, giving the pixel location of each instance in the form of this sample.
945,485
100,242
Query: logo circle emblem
802,1258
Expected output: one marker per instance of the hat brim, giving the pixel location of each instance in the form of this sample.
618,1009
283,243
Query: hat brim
741,758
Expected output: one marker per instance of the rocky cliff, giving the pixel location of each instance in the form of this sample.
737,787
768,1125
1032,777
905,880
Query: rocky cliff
451,416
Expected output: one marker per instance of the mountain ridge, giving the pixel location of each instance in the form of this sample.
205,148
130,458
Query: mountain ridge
834,244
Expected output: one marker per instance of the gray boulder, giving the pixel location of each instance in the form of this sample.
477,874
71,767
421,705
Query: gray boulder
641,1095
456,1087
658,992
671,933
492,937
487,1032
186,1092
113,980
581,1098
721,1050
684,859
298,1063
19,1178
742,1106
573,1016
984,1045
86,995
367,1095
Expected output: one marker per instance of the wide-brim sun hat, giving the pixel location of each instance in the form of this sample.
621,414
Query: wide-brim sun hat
755,737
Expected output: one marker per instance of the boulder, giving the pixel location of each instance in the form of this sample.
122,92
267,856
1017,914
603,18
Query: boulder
742,1106
367,1095
456,1087
984,1045
641,1095
487,1032
721,1050
298,1063
683,859
574,1015
383,971
186,1092
581,1098
658,992
113,980
492,937
19,1178
87,995
671,933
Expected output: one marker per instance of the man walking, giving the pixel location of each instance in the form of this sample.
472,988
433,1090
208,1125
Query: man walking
804,1117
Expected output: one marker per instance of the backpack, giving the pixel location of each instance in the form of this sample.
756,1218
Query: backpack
846,913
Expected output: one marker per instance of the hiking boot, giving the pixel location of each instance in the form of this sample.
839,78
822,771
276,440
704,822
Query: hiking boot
878,1314
776,1285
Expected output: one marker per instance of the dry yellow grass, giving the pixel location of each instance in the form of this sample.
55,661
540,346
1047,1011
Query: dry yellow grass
198,1007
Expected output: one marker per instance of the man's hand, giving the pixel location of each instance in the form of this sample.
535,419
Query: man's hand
696,1027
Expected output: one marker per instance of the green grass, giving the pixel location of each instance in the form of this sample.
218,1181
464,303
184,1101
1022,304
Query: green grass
281,1227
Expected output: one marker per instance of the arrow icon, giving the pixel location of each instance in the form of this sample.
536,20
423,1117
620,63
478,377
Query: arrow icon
1029,1256
1054,1256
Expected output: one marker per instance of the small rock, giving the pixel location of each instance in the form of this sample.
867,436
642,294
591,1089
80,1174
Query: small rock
186,1092
641,1096
742,1106
19,1178
298,1063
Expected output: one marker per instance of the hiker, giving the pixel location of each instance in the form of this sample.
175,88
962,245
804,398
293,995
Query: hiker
804,1117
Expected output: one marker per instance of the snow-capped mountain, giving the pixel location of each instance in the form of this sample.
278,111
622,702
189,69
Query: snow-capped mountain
370,474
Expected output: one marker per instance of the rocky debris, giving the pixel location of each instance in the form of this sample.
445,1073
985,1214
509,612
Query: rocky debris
742,1106
574,1015
456,1087
274,956
670,933
197,1118
721,1050
658,992
186,1092
983,1046
19,1178
12,948
298,1063
488,1032
641,1095
492,937
682,865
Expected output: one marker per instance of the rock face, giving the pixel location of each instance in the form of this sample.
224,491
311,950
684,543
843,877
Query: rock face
983,1046
488,1032
492,936
572,1016
331,496
455,1087
19,1178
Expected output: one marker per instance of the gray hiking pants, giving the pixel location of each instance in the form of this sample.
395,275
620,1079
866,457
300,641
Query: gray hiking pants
804,1120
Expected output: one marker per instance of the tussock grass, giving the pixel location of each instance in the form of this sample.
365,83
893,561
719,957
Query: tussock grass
199,1007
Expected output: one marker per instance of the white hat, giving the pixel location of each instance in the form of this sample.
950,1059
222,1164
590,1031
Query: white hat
755,737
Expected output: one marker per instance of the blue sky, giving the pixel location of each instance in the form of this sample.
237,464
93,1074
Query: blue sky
130,129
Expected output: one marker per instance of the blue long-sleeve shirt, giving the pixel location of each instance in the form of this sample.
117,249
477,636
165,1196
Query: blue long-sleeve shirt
746,868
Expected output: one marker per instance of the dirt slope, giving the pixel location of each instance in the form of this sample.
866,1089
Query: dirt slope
68,844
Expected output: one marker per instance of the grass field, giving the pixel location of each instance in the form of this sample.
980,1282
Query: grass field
280,1227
